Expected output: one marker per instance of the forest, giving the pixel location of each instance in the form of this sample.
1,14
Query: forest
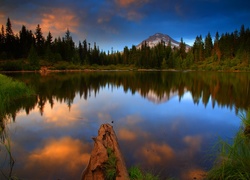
29,50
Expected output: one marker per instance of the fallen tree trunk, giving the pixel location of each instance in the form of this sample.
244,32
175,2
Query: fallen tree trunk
106,161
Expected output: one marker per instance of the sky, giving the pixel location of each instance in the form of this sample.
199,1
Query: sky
119,23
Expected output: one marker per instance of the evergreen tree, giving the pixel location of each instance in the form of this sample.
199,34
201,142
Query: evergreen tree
217,50
48,51
80,51
49,40
168,55
95,55
208,46
85,52
39,40
198,49
182,50
69,46
9,40
26,41
125,55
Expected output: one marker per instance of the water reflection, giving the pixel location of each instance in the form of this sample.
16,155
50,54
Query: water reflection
165,122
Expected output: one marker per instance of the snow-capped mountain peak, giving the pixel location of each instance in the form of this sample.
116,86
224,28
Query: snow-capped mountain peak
157,38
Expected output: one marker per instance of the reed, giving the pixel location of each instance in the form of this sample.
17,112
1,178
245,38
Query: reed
233,161
135,173
11,90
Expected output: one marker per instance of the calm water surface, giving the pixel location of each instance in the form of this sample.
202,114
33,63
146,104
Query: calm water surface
168,123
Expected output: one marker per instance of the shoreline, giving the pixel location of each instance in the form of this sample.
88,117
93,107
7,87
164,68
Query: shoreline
120,70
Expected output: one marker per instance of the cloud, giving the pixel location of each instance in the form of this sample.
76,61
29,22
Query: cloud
156,154
66,154
126,135
132,120
131,9
127,3
193,143
60,115
58,20
104,116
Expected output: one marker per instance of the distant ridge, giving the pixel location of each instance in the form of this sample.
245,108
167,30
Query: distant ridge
157,38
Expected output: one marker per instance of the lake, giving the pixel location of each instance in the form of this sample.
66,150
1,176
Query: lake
168,123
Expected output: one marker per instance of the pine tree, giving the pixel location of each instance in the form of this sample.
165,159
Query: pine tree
182,50
39,40
198,49
26,41
217,50
85,52
48,51
80,52
9,40
69,46
208,46
125,55
49,39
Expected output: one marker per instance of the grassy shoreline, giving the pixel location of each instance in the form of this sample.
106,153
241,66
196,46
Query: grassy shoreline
10,90
63,66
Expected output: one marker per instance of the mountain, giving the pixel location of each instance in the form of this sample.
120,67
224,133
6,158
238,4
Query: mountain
157,38
153,97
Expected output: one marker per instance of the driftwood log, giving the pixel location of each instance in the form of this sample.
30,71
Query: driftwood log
105,141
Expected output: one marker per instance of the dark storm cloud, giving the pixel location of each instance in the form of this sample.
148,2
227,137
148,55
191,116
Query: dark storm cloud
126,22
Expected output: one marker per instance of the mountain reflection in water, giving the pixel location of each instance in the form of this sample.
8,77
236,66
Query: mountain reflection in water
166,122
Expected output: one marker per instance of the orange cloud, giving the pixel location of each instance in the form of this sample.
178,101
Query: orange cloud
125,134
104,117
126,3
156,153
194,144
58,20
132,120
66,154
193,141
131,5
60,114
55,20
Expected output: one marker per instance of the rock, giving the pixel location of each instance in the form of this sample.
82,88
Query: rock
104,142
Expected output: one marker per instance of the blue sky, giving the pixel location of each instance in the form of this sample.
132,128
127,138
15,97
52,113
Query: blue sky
120,23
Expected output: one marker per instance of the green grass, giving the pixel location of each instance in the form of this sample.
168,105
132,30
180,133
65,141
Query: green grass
11,90
135,173
233,161
110,165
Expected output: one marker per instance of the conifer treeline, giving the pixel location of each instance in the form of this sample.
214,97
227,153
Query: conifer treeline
228,49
